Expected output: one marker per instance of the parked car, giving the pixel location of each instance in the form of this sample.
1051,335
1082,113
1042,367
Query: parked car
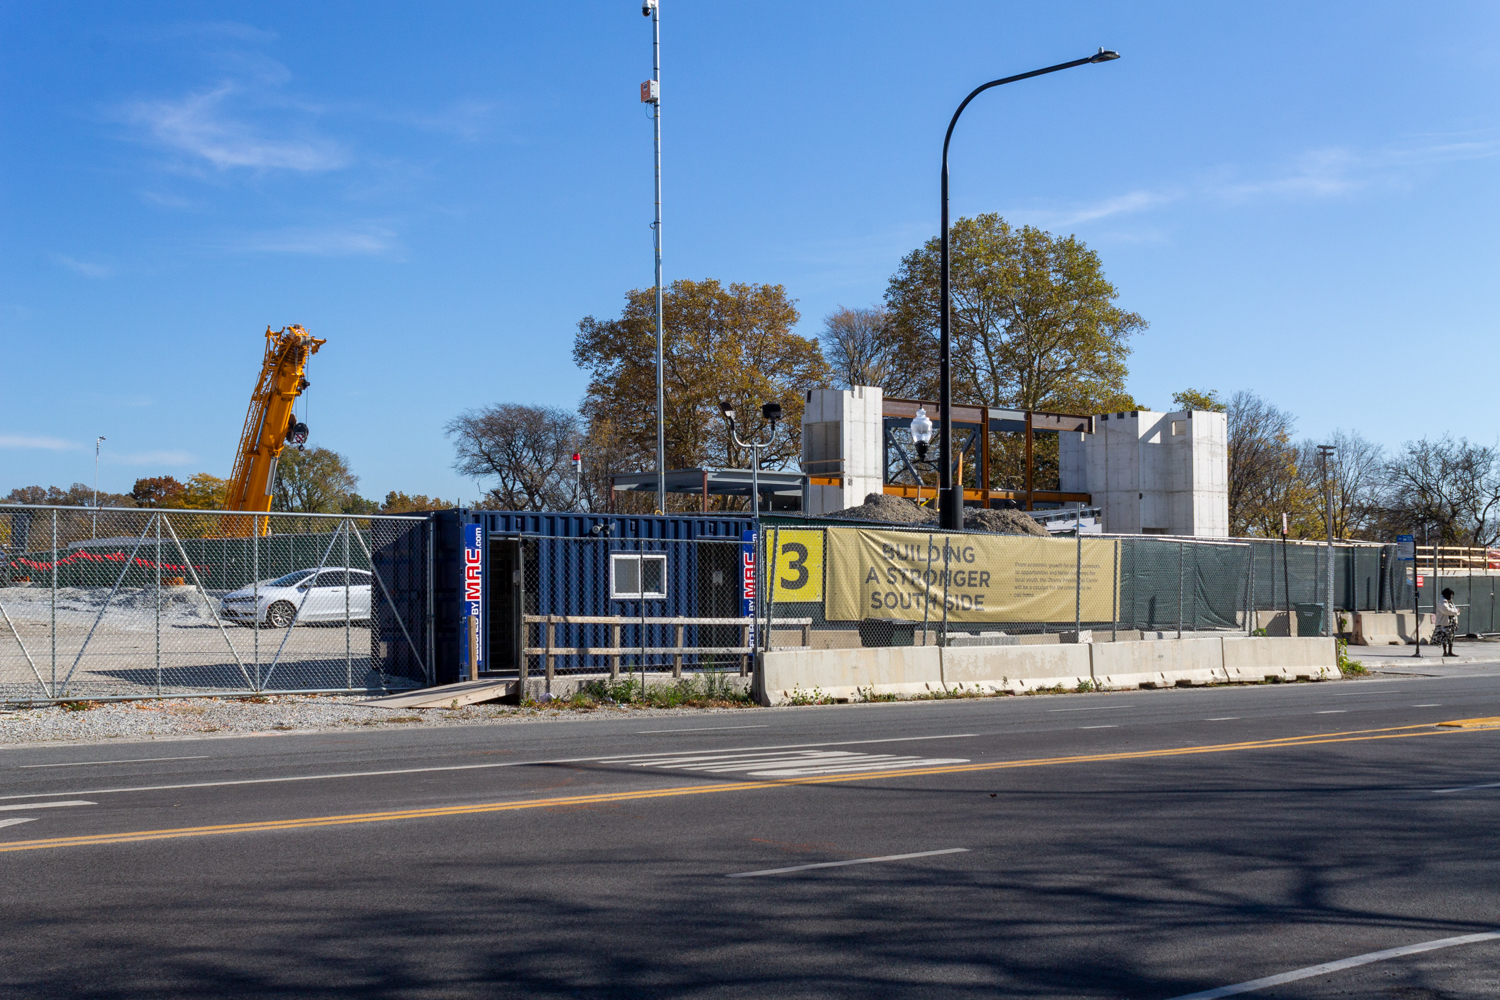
306,595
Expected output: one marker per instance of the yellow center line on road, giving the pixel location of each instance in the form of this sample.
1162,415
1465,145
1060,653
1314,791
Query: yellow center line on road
310,822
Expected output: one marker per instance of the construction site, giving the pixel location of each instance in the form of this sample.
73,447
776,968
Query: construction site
1080,532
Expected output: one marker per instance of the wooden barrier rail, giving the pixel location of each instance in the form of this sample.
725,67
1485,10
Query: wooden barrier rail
551,650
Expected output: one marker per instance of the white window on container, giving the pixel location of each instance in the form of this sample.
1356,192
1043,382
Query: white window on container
628,571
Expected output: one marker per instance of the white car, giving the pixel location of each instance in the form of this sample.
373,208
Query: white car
319,594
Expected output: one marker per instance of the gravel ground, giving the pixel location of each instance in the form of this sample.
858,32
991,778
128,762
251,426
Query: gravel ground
130,721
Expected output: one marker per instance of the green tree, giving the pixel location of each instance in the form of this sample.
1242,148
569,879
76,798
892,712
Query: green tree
399,503
719,343
1192,399
315,481
1034,321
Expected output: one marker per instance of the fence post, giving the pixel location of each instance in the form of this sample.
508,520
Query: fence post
1078,578
255,591
771,589
551,634
926,592
53,629
1181,552
614,658
677,653
348,640
158,604
1114,597
1250,592
428,530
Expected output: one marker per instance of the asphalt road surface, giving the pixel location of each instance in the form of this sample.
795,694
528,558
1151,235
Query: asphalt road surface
1154,844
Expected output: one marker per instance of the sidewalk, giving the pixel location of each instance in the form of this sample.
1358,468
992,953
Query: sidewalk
1468,652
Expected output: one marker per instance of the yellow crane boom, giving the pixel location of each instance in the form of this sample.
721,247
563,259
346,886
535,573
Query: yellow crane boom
270,423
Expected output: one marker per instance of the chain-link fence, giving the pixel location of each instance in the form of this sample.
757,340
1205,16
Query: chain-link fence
613,607
106,603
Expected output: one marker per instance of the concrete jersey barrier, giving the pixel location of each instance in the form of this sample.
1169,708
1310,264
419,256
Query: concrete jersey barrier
853,674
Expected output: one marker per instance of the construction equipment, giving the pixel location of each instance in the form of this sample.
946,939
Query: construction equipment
270,423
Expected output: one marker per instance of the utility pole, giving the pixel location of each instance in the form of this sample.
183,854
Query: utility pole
1326,452
651,94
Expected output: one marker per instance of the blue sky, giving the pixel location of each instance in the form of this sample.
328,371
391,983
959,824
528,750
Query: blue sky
1300,198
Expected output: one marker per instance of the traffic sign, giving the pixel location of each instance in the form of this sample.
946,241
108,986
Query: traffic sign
1406,548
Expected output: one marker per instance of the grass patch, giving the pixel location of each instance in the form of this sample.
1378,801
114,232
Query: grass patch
706,690
813,697
79,706
1348,667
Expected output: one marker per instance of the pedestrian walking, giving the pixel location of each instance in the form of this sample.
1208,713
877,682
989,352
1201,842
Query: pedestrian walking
1447,623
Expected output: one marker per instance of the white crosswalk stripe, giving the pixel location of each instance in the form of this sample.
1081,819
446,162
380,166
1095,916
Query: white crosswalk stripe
784,763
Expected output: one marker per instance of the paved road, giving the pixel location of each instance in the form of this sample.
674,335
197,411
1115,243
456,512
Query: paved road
1149,844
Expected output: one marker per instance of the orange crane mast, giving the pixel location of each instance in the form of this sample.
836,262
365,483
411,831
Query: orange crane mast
270,423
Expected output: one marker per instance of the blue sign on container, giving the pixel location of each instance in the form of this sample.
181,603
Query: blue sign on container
747,581
472,623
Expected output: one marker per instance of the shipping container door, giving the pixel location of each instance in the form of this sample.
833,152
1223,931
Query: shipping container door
507,580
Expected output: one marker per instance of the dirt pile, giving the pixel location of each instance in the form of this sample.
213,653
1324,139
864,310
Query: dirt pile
886,509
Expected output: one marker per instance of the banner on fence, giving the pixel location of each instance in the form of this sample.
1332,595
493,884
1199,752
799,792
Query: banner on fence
471,636
798,564
895,574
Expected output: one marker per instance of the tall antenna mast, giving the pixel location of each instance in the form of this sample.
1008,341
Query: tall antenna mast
651,94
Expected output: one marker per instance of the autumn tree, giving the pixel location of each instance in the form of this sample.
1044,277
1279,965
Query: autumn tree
399,503
730,343
1266,478
1192,399
157,491
314,481
204,492
526,453
1034,321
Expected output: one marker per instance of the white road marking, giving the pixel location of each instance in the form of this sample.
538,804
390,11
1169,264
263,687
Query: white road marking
1224,718
1333,711
784,764
17,820
451,767
1096,708
702,729
841,864
50,805
1465,788
136,760
1427,706
1098,727
1339,966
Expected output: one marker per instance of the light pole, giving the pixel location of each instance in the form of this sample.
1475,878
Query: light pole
1326,452
771,412
94,533
950,499
651,94
921,435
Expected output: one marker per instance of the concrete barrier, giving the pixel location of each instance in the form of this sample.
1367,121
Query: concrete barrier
853,674
1159,662
1252,660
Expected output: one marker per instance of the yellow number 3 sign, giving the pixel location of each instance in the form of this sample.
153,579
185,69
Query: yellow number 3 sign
797,564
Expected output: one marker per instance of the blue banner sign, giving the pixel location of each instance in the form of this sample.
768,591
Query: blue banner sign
472,623
747,581
1406,548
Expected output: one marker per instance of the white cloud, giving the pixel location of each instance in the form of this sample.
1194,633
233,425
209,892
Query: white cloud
329,242
83,267
36,441
198,125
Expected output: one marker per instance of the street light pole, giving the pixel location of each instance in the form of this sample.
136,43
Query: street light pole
1326,452
771,412
97,442
651,94
950,498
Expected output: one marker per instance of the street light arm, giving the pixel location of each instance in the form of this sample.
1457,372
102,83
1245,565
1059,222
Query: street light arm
1013,79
